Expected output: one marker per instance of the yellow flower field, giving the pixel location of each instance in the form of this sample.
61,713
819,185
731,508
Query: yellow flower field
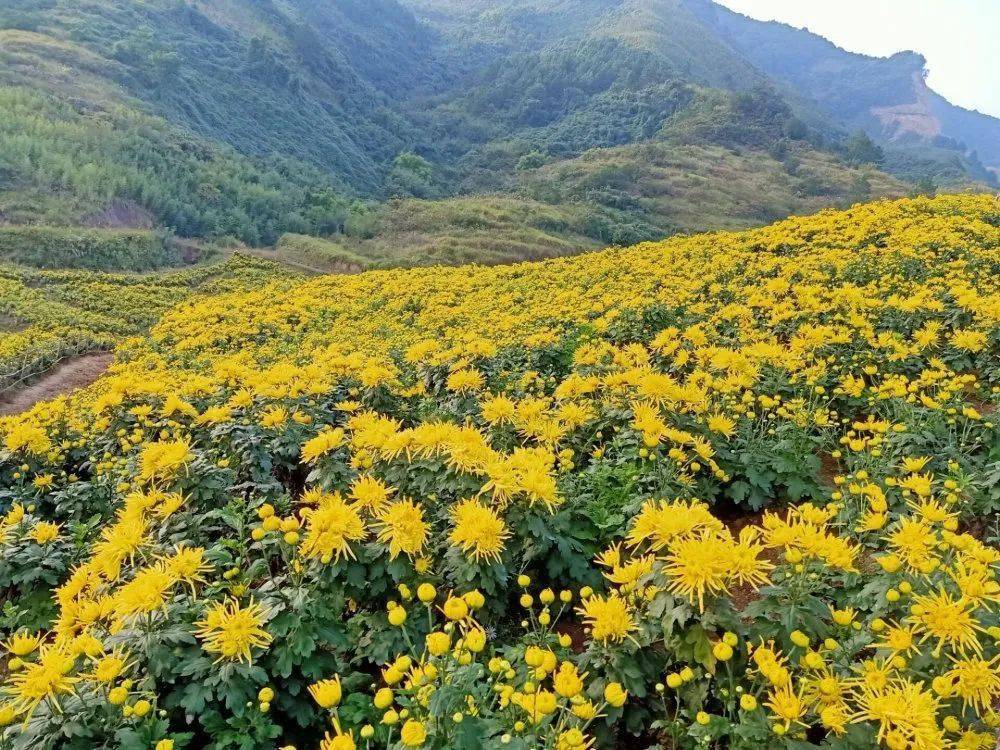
49,314
729,490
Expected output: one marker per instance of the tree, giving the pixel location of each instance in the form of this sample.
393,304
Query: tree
861,189
531,160
924,186
411,175
796,129
862,150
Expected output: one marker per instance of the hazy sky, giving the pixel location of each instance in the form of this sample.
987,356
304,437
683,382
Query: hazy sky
959,38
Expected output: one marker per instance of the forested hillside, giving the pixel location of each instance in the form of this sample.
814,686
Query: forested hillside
73,146
626,120
306,79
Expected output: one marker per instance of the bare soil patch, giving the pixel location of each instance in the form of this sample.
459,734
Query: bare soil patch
64,377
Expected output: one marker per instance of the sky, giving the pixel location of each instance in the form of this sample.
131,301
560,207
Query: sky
959,38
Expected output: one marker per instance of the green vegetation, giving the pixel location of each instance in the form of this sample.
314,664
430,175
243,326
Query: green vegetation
610,196
407,132
671,188
94,249
860,149
483,229
317,253
68,162
301,80
938,165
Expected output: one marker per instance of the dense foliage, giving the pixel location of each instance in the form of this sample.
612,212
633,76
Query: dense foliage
93,249
301,80
256,119
507,507
69,161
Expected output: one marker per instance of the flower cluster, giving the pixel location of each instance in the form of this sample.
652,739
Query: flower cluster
732,490
64,312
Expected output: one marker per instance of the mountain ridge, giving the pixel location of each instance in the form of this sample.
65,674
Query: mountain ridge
251,119
766,43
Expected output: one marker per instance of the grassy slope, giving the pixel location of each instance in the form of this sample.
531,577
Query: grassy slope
481,229
317,253
694,188
651,189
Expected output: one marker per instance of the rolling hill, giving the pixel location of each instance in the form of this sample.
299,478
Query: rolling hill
888,97
250,120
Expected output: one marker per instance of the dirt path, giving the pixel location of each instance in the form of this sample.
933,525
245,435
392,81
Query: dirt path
65,377
272,255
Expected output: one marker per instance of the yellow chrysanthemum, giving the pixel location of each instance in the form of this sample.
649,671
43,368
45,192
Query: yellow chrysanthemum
47,678
478,530
902,710
949,621
328,440
163,460
370,493
699,565
609,618
231,631
331,527
402,527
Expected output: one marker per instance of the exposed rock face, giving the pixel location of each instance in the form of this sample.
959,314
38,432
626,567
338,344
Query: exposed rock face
915,119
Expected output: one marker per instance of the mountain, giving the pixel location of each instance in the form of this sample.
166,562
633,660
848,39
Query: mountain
887,97
306,79
76,148
664,33
251,119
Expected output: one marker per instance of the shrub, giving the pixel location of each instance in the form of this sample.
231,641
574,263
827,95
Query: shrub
92,249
